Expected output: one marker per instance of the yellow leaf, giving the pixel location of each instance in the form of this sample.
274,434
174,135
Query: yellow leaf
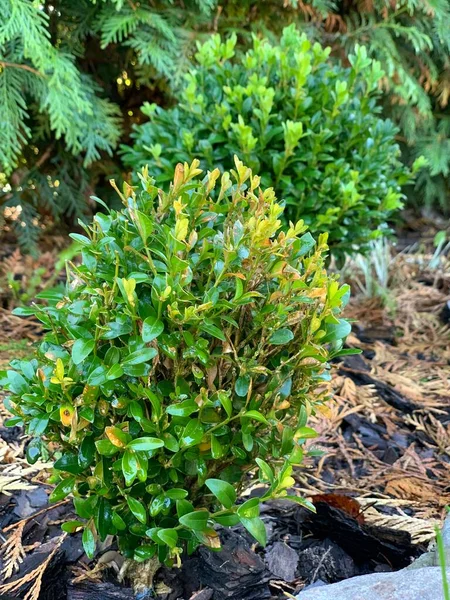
287,483
315,324
178,206
178,176
212,178
238,275
59,371
113,438
181,228
193,237
66,413
166,293
204,446
212,539
129,285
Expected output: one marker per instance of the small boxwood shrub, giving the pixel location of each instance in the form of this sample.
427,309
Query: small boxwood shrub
191,345
312,130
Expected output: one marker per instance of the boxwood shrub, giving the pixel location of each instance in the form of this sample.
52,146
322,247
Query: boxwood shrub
190,346
311,128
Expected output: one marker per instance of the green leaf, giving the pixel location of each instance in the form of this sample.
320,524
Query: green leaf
227,519
71,526
13,422
192,434
118,522
135,410
225,401
33,451
114,372
98,376
144,552
87,413
106,448
151,329
336,331
16,383
140,356
63,489
265,469
118,328
305,433
24,311
81,350
69,463
145,443
38,425
223,491
104,518
256,416
81,239
86,455
168,536
140,370
197,520
302,501
250,508
346,352
247,440
158,504
217,450
138,509
182,409
242,385
184,507
129,467
176,494
307,244
171,443
209,327
85,507
144,223
88,542
256,528
282,336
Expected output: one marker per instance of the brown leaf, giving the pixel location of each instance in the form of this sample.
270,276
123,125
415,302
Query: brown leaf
345,503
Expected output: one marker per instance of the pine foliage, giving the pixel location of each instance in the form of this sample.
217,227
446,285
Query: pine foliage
410,39
67,70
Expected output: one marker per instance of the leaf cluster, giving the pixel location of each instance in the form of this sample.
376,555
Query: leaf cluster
410,40
311,128
191,344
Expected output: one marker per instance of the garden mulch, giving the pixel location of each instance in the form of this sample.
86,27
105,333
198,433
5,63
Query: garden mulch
379,488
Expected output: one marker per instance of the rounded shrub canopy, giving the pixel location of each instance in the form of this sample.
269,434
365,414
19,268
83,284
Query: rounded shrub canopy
309,127
191,345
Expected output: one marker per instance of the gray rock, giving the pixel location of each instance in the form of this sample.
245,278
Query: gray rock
316,584
282,561
416,584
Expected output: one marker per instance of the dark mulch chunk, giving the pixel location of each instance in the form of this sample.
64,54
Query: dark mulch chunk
98,591
328,546
357,369
234,572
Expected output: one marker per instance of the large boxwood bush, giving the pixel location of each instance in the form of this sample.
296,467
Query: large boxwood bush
189,348
311,128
